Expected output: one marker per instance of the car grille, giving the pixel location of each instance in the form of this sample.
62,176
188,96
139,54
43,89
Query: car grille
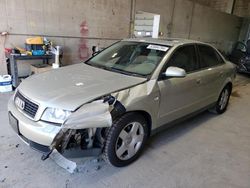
30,108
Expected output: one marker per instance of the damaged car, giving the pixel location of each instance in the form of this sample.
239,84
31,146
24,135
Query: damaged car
119,97
241,57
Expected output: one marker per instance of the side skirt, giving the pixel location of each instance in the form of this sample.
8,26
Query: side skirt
172,123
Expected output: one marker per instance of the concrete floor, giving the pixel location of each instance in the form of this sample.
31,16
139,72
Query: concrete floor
206,151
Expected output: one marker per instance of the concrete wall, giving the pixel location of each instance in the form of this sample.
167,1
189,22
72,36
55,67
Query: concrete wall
221,5
76,25
240,7
217,28
186,19
245,30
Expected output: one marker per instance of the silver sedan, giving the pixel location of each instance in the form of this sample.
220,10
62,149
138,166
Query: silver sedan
118,98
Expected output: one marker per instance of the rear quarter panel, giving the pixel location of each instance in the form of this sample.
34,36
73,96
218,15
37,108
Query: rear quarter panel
230,75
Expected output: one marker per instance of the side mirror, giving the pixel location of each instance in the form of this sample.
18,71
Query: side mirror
175,72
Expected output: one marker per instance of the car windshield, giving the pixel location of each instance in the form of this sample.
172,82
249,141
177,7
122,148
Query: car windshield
133,58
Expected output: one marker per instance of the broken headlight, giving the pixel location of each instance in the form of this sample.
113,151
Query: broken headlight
55,115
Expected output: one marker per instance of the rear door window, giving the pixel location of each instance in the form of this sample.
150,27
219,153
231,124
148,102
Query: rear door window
209,57
185,58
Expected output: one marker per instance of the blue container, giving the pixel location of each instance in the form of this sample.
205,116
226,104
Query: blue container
38,52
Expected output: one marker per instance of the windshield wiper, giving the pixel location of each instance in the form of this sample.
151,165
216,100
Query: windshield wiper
125,72
97,65
113,69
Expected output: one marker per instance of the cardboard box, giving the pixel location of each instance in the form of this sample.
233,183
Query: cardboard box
39,68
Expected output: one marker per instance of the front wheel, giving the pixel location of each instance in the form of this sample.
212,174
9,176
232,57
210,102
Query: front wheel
126,139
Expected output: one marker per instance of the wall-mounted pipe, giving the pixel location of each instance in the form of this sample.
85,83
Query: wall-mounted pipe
63,36
132,18
233,7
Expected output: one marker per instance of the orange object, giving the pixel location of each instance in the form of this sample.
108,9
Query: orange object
34,40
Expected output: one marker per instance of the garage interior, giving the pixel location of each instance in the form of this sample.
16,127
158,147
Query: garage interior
205,151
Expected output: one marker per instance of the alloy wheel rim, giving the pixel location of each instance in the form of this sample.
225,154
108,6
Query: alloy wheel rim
224,99
129,141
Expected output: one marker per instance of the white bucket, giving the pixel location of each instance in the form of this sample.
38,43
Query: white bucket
55,66
5,83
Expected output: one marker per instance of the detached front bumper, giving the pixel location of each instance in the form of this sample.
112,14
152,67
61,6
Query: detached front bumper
37,134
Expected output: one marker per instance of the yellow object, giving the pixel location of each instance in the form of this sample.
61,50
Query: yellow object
21,49
29,53
34,40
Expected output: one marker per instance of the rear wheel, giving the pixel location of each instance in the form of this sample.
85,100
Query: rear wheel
126,139
222,103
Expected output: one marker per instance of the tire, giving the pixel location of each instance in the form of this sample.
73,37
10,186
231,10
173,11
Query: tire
222,102
126,140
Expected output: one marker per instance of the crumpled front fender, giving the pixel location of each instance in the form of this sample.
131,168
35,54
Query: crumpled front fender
91,115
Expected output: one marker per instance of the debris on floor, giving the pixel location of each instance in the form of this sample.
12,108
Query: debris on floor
2,180
68,165
67,183
89,165
235,94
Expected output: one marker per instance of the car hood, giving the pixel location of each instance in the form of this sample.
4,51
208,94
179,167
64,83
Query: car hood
70,87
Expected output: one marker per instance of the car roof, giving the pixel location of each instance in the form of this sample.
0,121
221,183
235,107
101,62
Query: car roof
167,42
